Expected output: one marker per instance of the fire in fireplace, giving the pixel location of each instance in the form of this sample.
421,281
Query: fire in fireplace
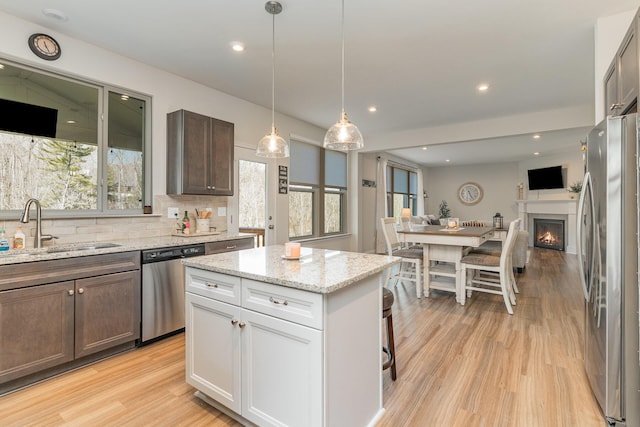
548,233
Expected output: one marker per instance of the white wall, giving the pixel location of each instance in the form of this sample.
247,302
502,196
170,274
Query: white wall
498,182
169,93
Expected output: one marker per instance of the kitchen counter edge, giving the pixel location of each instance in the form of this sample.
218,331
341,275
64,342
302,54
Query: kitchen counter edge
14,256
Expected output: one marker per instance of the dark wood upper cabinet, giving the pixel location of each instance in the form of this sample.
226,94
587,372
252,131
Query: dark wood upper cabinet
199,154
628,73
621,80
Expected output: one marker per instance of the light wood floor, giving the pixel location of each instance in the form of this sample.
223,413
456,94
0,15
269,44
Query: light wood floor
457,366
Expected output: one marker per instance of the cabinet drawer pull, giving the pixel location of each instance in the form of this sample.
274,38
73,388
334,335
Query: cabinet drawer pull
242,324
209,285
70,291
615,106
275,301
234,322
80,291
232,247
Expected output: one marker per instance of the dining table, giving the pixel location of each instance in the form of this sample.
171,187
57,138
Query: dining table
443,249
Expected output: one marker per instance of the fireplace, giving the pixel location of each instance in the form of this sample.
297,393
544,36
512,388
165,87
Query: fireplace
548,233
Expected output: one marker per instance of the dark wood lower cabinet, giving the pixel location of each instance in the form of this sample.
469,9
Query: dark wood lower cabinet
36,329
46,326
107,312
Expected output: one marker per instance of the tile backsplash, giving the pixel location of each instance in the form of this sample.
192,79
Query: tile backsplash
101,229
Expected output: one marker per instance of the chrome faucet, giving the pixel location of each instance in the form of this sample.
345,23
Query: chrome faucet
37,243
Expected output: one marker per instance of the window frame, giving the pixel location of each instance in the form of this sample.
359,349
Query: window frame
409,199
102,141
319,192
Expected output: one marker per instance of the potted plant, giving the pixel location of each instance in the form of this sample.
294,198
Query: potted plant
444,212
575,189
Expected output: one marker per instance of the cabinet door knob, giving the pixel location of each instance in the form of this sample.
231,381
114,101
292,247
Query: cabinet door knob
242,324
80,291
70,292
275,301
234,322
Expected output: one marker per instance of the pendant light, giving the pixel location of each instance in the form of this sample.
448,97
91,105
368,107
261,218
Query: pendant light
343,135
272,144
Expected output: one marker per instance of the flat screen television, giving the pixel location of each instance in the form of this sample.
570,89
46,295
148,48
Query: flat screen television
546,178
29,119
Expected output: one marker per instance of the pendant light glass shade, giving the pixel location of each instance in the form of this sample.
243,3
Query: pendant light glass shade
343,135
272,144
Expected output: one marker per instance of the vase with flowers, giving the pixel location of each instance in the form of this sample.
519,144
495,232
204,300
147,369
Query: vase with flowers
575,189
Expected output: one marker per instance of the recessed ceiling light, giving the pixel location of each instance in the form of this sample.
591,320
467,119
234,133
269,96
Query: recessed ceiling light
237,46
1,66
536,154
447,160
483,87
71,122
424,148
536,136
373,109
55,14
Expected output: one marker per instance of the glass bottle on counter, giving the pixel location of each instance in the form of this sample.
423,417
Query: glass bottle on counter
186,224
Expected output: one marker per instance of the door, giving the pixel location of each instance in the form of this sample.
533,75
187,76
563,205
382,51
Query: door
197,155
36,329
281,372
107,311
254,207
595,287
213,349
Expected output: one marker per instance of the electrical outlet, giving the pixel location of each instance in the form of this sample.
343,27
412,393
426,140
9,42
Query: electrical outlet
222,211
172,212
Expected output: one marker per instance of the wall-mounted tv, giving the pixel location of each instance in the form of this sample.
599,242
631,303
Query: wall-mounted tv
29,119
546,178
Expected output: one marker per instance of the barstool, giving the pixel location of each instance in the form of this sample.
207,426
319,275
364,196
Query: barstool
390,350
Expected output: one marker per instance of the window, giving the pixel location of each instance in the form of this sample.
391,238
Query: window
317,191
90,156
402,190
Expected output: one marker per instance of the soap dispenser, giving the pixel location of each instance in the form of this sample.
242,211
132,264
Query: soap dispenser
18,238
4,243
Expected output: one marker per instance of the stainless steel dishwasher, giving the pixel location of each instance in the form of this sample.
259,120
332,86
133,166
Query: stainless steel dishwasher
163,290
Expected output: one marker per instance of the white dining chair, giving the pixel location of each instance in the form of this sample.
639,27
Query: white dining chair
410,269
481,263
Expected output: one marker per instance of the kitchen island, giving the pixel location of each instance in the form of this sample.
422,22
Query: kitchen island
272,341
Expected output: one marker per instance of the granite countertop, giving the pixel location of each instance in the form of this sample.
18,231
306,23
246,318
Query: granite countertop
317,270
14,256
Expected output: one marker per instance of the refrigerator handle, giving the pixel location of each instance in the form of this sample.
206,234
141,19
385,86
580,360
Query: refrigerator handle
586,186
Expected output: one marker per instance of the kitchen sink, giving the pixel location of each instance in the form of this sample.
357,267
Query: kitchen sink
81,247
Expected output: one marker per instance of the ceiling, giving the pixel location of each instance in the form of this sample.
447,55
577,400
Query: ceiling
418,61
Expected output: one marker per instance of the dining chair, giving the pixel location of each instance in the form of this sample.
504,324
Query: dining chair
483,264
410,268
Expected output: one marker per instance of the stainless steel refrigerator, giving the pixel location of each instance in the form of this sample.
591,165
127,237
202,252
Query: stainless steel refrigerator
608,263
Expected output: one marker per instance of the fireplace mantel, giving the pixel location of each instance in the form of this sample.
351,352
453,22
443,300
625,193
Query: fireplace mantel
555,208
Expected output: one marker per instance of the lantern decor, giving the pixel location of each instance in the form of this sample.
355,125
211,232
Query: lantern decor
498,221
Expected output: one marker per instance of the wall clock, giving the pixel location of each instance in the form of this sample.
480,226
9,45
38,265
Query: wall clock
470,193
44,46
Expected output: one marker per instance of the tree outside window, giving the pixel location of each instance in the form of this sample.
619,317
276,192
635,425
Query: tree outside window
97,136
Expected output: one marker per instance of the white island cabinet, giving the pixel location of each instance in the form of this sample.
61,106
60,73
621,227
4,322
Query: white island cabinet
276,342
